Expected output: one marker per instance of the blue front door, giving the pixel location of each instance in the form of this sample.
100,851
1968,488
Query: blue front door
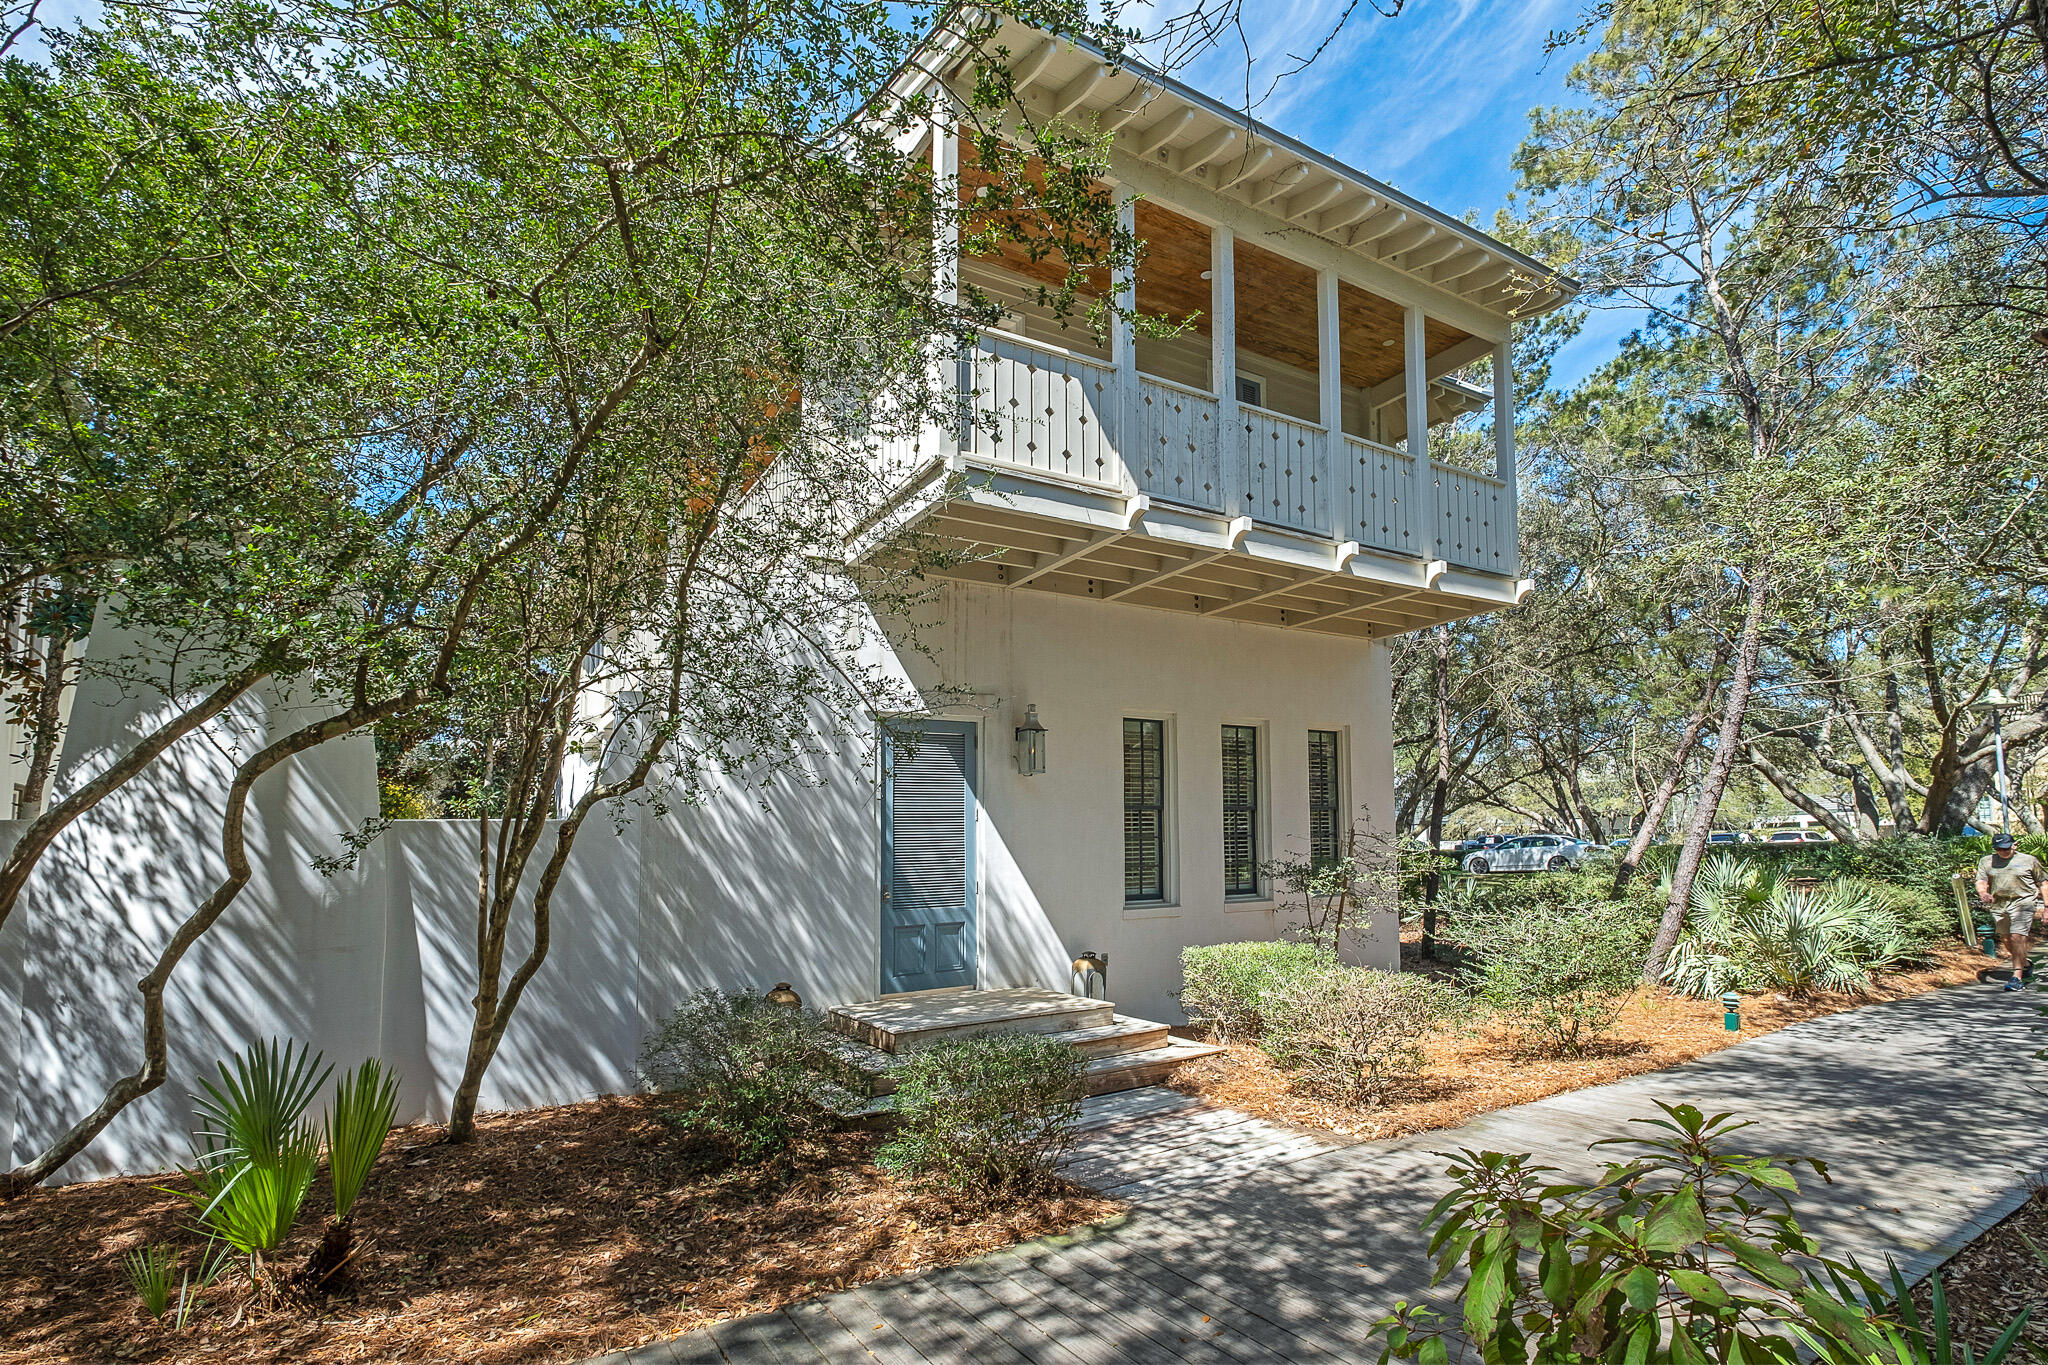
928,926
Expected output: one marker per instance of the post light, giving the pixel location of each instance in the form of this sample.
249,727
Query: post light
1731,1011
1031,744
1997,704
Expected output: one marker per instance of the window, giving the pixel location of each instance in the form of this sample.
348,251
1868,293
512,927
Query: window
1251,389
1144,810
1325,801
1240,810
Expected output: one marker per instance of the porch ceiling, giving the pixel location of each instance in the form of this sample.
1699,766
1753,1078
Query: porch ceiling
1124,548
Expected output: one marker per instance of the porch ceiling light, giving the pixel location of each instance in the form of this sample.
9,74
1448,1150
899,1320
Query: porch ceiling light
1031,744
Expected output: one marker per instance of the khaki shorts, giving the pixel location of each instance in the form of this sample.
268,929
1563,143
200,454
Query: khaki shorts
2016,918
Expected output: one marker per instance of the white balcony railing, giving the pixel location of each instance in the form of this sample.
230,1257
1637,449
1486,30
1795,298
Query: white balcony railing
1061,412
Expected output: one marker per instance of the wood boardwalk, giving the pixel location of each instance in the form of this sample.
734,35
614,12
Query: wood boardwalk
1249,1243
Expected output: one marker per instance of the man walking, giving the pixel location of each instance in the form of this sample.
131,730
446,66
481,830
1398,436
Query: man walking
2010,883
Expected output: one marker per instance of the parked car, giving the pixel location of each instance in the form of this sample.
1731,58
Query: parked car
1530,853
1727,836
1798,836
1473,845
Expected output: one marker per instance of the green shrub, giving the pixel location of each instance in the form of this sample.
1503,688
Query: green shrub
150,1268
396,801
742,1070
1921,861
1749,928
1558,975
1923,917
987,1114
1351,1033
365,1106
1224,985
1683,1252
257,1153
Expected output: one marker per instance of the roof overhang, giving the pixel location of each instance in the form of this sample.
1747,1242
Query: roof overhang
1158,122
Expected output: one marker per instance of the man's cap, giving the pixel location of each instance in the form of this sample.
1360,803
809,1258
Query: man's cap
2001,841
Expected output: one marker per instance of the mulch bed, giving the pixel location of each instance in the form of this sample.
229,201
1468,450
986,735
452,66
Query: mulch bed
1482,1069
1996,1278
558,1234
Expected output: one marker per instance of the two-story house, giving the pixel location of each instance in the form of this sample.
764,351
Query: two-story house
1164,663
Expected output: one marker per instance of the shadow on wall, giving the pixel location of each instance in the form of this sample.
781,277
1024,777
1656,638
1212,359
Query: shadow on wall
296,955
761,883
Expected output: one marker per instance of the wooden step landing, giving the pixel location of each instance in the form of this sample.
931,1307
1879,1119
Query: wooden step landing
870,1071
1120,1071
901,1022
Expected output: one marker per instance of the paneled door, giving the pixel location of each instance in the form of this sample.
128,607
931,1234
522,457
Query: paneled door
928,873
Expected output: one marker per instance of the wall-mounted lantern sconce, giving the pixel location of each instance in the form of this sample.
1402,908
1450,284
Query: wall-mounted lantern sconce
1031,744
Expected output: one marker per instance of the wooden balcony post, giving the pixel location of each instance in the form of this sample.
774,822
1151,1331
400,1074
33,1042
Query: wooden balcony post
1223,323
1122,422
1504,440
951,371
1417,359
1330,355
1230,437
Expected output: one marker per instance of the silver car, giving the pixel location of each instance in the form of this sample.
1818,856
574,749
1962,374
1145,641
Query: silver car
1530,853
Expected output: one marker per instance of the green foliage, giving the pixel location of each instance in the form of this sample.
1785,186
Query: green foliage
1921,861
257,1153
742,1070
1749,928
1680,1253
396,802
365,1106
1350,1034
1224,985
988,1114
1558,974
1924,917
150,1268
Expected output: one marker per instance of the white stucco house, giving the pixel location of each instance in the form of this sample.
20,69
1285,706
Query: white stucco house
1189,556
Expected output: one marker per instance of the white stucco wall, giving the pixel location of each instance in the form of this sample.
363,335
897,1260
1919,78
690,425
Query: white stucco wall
759,884
1053,872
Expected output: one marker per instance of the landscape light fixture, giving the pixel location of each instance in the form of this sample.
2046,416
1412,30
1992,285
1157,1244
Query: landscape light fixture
1997,703
1031,744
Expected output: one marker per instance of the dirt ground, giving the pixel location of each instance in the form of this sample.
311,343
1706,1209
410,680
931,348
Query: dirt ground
559,1234
1477,1070
1997,1277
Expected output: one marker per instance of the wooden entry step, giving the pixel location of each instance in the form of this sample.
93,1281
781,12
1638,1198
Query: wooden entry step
870,1071
877,1036
898,1023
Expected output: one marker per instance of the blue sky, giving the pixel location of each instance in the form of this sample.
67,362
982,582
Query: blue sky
1434,100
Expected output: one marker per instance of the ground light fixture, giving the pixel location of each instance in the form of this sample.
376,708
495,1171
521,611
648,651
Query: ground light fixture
1031,744
1731,1012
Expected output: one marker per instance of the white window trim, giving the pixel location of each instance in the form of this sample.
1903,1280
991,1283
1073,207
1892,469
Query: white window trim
1168,906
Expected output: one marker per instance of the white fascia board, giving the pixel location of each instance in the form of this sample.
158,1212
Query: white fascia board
1198,201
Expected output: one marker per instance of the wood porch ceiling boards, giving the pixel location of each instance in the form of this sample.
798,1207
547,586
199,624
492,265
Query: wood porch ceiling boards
1276,299
1163,122
1016,550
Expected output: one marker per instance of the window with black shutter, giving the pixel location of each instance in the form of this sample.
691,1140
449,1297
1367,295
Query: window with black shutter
1240,810
1144,810
1325,801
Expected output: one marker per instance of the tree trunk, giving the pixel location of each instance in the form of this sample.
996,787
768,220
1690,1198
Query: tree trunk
1660,800
1789,789
48,728
43,830
1439,790
1727,746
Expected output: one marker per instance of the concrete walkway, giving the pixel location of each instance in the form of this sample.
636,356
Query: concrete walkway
1290,1248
